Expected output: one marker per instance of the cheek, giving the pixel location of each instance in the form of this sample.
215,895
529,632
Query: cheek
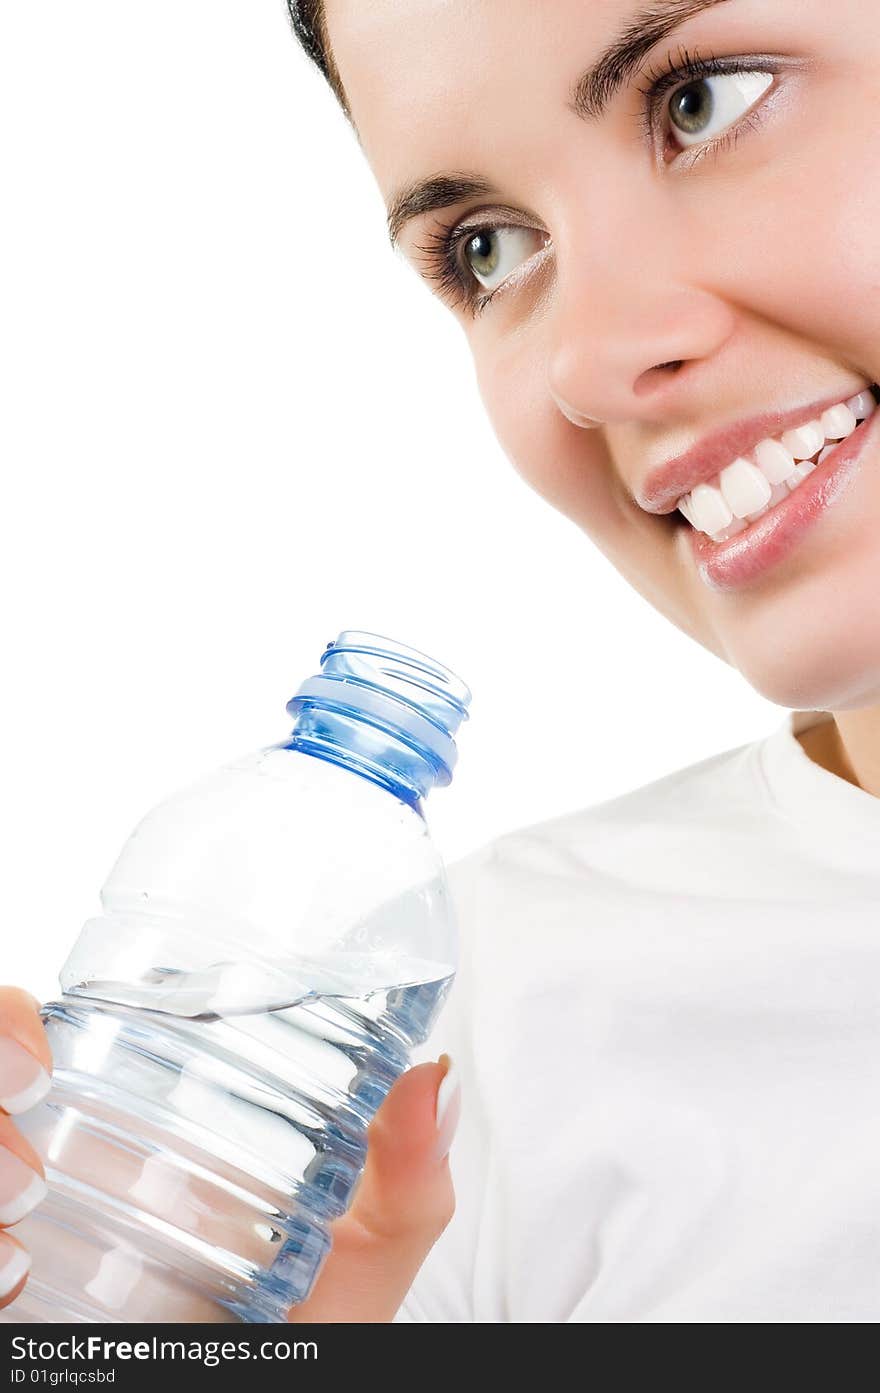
825,290
567,466
571,469
844,283
795,245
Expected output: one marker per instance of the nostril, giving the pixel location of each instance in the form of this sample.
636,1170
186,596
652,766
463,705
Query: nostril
656,378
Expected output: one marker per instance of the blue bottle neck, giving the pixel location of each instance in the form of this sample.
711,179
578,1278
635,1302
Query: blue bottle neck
371,754
384,711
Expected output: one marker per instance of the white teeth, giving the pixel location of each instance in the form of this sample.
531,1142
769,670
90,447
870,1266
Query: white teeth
774,461
710,512
863,405
803,469
838,423
738,525
776,496
804,441
686,510
744,487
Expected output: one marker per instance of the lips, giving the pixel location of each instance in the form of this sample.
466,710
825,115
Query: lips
667,484
732,564
747,488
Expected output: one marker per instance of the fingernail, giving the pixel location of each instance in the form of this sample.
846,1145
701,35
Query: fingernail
24,1081
15,1263
448,1108
21,1189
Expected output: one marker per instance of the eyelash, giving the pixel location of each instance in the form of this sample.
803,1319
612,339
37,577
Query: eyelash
442,260
442,253
689,67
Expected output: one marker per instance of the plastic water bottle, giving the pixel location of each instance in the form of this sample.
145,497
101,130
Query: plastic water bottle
273,942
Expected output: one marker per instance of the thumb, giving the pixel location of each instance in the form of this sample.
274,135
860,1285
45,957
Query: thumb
401,1206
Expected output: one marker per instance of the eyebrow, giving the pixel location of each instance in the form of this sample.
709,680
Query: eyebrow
595,88
427,195
590,97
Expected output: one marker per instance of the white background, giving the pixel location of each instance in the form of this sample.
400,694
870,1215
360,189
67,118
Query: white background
233,424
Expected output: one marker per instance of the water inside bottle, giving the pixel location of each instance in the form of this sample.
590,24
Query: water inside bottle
224,1139
253,987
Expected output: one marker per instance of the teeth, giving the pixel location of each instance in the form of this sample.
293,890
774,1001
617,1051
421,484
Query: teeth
863,405
774,461
744,488
805,441
710,512
779,492
838,423
776,496
738,525
801,471
684,507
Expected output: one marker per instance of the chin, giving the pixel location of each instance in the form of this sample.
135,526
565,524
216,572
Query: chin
816,648
809,638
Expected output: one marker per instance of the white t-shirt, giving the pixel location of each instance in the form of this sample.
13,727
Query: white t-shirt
667,1021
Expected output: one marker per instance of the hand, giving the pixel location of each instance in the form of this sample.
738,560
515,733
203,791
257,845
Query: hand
25,1064
401,1206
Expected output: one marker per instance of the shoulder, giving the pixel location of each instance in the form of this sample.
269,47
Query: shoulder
637,840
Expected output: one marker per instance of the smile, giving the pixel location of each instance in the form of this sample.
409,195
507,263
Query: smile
756,544
754,485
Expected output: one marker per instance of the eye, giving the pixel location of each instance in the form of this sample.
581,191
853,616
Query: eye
492,254
703,109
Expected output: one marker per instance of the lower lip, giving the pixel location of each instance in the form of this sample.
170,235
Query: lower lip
750,554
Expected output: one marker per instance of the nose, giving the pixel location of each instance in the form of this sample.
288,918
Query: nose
630,340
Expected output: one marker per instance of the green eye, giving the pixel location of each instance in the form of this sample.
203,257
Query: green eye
492,254
483,253
701,110
690,110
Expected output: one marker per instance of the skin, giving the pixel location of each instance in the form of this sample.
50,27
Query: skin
20,1022
755,268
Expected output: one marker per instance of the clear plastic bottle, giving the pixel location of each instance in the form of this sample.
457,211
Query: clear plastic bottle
274,941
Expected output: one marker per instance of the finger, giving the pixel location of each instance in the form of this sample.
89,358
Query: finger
12,1140
14,1267
403,1203
25,1057
22,1182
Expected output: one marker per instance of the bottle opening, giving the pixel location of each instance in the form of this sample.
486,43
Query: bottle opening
384,709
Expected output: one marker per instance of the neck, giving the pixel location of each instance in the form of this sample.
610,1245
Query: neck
848,746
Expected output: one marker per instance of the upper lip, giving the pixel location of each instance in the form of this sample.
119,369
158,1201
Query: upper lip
664,486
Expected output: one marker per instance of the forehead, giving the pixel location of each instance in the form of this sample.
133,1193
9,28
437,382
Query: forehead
426,79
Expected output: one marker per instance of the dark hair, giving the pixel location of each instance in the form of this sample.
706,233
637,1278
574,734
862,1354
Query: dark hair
307,18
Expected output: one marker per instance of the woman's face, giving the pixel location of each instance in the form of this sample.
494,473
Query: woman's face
679,243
